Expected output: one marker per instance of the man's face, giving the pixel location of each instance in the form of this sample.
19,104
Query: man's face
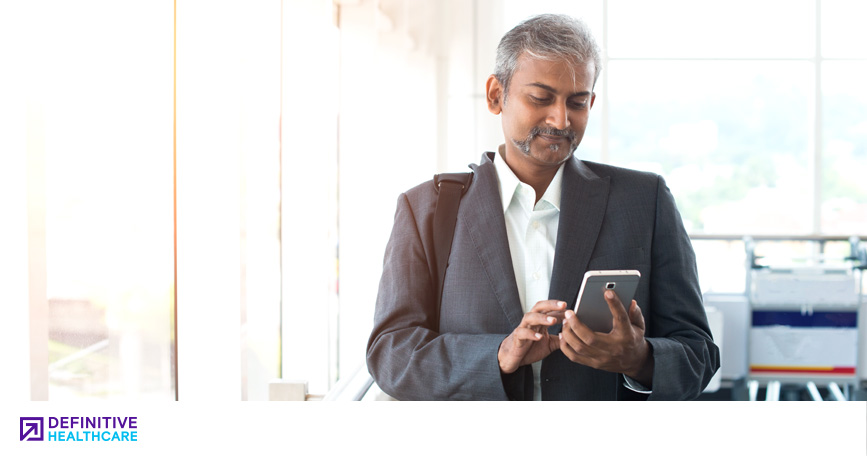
546,111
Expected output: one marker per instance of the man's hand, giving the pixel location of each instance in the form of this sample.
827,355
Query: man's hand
530,342
623,350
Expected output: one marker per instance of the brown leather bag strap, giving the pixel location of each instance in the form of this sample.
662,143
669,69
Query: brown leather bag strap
450,188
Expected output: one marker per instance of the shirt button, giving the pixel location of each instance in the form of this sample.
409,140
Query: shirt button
536,225
535,276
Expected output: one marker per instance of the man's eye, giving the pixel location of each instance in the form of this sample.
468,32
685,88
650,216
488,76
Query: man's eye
538,100
578,105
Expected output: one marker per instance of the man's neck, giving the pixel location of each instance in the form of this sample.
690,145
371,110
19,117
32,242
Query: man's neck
536,176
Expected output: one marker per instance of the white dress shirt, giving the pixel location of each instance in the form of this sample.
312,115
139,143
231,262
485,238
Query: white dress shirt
532,231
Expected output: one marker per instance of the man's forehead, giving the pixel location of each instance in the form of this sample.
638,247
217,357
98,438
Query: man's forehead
561,74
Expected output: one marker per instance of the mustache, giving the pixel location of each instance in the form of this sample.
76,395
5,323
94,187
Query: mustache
567,133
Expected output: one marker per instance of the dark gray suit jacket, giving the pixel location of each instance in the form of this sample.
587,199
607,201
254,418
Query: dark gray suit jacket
611,218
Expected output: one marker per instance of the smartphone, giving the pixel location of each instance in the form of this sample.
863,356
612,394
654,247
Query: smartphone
591,307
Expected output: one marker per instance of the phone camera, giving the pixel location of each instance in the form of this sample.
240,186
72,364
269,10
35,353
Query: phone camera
609,286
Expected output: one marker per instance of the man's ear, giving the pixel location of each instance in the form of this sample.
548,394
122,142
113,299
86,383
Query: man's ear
494,95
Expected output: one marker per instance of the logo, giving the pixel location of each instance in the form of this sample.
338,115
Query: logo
32,428
80,429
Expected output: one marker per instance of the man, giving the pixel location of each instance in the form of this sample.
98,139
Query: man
532,222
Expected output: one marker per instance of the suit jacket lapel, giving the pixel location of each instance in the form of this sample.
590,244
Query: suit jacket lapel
583,204
487,227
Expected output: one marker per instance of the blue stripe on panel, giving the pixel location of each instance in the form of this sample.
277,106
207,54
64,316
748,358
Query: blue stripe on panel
797,319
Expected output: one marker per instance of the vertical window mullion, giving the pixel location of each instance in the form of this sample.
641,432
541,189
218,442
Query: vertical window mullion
817,127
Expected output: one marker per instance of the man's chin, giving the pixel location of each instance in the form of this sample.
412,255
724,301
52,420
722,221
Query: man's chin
547,156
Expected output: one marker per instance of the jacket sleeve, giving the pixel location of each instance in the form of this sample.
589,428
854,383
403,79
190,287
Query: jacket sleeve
685,357
408,358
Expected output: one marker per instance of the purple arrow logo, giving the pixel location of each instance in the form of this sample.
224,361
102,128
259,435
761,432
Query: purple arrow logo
31,428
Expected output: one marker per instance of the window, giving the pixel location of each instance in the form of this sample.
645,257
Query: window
755,117
93,128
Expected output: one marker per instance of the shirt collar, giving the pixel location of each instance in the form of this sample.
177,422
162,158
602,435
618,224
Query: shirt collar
509,183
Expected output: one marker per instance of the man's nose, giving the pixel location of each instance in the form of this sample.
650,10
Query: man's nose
558,116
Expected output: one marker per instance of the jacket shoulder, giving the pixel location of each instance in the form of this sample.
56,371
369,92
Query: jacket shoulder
424,195
422,192
421,201
620,175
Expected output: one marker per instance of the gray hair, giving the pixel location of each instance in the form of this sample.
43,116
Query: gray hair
546,37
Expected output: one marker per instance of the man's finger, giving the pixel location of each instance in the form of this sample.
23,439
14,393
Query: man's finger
537,319
549,305
621,319
635,315
578,336
524,336
560,315
568,336
574,355
587,335
553,343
